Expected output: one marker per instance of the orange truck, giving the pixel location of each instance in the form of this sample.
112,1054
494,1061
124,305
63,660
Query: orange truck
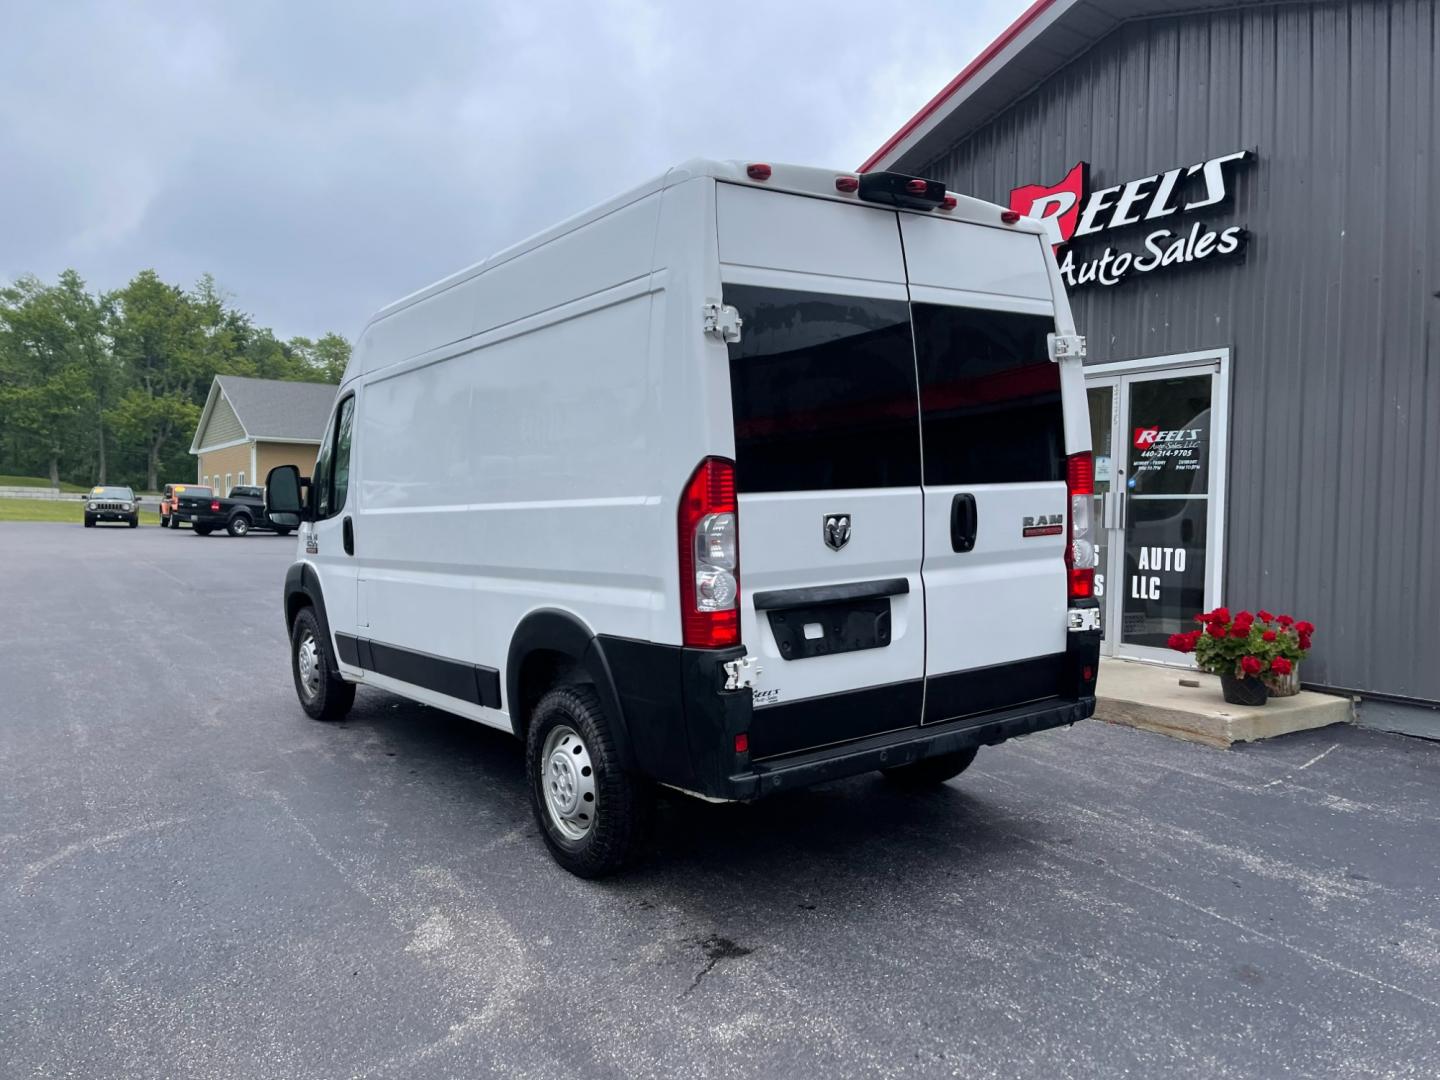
171,499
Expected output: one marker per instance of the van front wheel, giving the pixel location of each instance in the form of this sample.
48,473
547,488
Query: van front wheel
930,772
592,814
323,694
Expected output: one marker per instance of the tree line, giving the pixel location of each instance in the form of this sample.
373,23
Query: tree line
107,387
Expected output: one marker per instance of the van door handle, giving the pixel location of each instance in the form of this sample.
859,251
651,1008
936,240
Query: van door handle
347,534
964,522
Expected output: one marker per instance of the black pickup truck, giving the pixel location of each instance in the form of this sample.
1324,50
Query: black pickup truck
242,511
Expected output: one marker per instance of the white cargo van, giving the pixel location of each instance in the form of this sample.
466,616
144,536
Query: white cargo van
750,478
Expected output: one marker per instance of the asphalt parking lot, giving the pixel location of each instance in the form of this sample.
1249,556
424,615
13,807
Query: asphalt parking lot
198,881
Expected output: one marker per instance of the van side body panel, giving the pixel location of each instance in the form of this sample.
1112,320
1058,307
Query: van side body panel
481,494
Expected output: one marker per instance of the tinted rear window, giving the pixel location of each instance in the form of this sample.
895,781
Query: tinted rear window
990,397
823,392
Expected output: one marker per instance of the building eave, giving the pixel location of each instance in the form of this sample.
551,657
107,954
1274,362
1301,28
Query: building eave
1048,35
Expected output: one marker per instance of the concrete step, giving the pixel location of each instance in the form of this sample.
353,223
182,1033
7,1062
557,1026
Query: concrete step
1150,696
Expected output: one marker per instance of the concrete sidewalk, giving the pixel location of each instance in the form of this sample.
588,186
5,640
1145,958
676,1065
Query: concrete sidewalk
1151,696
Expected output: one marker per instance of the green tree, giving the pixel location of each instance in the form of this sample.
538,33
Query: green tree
56,374
109,388
162,343
324,359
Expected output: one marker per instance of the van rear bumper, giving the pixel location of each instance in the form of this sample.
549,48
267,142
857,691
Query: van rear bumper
681,725
905,746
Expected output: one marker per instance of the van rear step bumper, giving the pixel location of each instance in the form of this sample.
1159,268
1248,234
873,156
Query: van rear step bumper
904,746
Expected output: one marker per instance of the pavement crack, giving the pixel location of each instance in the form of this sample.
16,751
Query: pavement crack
716,948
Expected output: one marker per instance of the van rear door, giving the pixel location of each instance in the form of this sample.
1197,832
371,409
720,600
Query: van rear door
993,447
827,453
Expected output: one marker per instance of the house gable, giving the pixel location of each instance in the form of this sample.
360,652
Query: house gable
223,426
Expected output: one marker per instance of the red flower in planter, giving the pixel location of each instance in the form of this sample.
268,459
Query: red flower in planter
1250,665
1240,630
1215,630
1268,635
1304,642
1285,620
1265,616
1280,665
1220,614
1184,642
1306,628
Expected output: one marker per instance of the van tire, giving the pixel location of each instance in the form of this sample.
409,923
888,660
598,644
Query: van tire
930,772
623,802
323,694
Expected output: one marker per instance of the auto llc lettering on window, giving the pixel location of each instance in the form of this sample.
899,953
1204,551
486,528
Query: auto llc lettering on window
1169,560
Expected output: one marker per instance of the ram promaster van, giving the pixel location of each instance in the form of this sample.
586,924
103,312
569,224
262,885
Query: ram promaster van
750,478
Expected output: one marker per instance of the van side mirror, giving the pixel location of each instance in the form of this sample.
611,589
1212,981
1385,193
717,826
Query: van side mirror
282,496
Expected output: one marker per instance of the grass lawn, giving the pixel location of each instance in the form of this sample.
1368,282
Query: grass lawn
40,482
59,510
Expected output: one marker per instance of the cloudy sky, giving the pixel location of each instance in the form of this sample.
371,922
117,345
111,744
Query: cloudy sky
323,159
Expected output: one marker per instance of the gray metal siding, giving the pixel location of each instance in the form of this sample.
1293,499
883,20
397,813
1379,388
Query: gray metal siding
1332,321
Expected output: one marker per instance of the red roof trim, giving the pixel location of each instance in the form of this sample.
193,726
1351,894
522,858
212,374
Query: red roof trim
1011,33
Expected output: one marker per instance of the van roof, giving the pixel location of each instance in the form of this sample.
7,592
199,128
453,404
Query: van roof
797,179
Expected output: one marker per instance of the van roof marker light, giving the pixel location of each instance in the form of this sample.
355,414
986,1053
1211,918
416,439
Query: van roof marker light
949,202
847,184
1009,217
757,171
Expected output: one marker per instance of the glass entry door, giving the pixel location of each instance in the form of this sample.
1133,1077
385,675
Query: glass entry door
1158,430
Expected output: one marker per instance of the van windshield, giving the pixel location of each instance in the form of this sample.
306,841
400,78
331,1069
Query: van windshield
832,392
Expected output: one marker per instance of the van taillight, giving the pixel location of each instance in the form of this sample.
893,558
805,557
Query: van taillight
710,557
1080,536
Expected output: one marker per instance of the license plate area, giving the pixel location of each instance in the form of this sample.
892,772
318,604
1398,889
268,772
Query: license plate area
830,628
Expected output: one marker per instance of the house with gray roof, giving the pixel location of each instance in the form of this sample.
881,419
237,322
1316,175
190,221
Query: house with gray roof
249,426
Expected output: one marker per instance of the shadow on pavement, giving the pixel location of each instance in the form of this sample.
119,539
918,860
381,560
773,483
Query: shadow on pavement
855,827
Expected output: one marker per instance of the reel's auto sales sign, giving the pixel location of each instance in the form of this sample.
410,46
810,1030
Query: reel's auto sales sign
1073,210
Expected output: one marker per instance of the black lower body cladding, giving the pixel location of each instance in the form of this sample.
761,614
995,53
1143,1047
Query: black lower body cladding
682,723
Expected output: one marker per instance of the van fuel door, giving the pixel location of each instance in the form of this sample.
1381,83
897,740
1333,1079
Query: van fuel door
723,321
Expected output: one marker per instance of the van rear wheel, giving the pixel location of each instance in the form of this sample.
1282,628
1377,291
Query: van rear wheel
930,772
592,814
323,694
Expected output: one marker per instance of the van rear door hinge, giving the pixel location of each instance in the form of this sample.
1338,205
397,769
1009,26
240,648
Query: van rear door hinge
741,674
724,320
1066,347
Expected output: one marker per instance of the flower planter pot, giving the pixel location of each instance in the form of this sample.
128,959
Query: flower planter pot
1247,691
1283,685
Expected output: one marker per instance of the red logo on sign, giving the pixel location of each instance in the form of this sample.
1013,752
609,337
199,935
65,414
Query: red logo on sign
1145,436
1058,206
